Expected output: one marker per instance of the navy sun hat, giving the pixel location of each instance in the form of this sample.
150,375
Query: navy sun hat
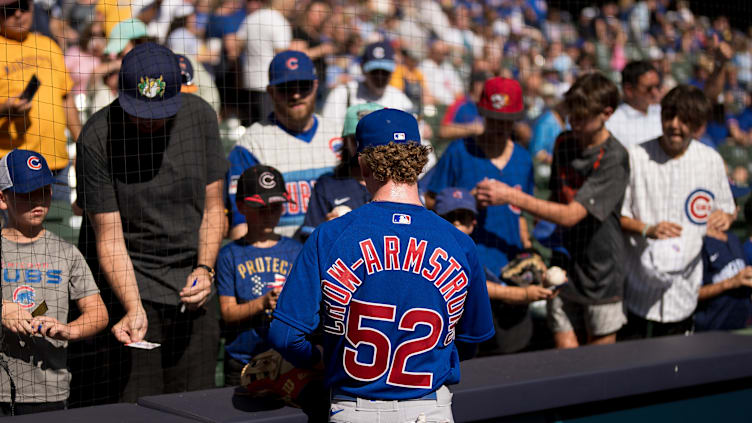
384,126
378,56
290,66
149,82
24,171
451,199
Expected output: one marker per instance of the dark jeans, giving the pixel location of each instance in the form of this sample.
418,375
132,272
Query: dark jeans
31,407
105,371
639,328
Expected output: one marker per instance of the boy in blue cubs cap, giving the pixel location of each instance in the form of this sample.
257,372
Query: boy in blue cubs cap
370,278
41,274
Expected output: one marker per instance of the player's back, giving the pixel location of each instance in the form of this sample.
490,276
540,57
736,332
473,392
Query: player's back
395,281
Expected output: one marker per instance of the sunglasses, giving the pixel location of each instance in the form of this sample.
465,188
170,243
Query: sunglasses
291,88
22,5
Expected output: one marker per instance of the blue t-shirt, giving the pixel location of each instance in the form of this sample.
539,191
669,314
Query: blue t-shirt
497,234
392,286
545,131
463,110
328,193
748,252
246,273
732,309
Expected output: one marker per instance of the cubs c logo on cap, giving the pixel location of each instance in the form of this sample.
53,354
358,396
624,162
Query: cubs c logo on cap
292,63
266,180
698,206
34,163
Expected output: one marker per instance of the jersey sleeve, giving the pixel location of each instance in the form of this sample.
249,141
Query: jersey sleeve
318,207
81,281
225,273
282,33
604,188
476,324
724,198
240,159
299,301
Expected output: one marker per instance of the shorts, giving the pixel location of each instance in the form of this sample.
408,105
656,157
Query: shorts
597,319
359,410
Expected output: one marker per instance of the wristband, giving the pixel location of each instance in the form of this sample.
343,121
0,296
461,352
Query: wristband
207,268
645,231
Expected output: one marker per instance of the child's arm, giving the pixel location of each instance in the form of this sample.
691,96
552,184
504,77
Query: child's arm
491,192
517,294
17,319
93,319
743,278
660,230
232,312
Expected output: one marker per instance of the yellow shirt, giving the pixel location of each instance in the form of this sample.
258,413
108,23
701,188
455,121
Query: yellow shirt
402,73
112,13
43,130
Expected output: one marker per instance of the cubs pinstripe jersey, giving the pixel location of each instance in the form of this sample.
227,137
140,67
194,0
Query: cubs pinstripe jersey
666,275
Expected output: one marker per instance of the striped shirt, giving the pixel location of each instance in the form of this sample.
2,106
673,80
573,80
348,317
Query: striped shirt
666,275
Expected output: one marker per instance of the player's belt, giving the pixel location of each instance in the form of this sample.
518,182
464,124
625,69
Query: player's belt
341,396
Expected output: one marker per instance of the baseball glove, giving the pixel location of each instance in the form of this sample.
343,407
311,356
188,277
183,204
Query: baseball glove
268,375
526,269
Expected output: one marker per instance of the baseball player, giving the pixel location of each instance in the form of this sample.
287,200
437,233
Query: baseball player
391,285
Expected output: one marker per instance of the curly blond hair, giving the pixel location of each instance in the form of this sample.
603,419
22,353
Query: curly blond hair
401,163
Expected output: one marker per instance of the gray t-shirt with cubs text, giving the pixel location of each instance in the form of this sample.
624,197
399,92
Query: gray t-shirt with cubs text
50,270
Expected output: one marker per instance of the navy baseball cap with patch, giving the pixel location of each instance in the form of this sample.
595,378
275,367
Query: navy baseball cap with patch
260,186
291,66
451,199
24,171
150,82
378,56
384,126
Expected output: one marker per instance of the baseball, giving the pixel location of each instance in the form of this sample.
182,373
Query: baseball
555,276
341,210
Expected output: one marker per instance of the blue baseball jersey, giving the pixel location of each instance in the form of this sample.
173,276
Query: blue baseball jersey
497,234
391,286
330,192
732,309
246,273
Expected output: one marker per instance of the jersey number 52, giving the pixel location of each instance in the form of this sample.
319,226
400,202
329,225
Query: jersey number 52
383,359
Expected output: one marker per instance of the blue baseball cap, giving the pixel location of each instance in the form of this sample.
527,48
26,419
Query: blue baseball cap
384,126
378,56
150,81
451,199
289,66
24,171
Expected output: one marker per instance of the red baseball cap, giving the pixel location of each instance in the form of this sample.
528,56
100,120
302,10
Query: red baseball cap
502,99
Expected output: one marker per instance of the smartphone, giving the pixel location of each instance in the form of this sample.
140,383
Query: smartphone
31,89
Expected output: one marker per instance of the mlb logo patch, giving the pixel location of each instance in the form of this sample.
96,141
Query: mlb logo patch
401,219
399,136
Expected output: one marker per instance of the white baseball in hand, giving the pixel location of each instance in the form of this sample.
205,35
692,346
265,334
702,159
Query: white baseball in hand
555,276
341,210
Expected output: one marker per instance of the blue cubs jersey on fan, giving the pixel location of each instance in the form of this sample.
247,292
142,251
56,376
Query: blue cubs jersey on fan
391,286
497,234
732,309
246,273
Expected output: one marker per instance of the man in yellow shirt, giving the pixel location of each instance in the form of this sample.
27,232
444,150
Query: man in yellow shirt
36,124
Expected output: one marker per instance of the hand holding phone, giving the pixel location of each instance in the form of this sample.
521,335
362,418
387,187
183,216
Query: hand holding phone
31,89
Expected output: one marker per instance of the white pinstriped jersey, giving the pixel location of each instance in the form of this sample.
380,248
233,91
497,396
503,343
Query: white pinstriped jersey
665,275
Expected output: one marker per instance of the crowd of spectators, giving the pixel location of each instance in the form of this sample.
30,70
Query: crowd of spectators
281,77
